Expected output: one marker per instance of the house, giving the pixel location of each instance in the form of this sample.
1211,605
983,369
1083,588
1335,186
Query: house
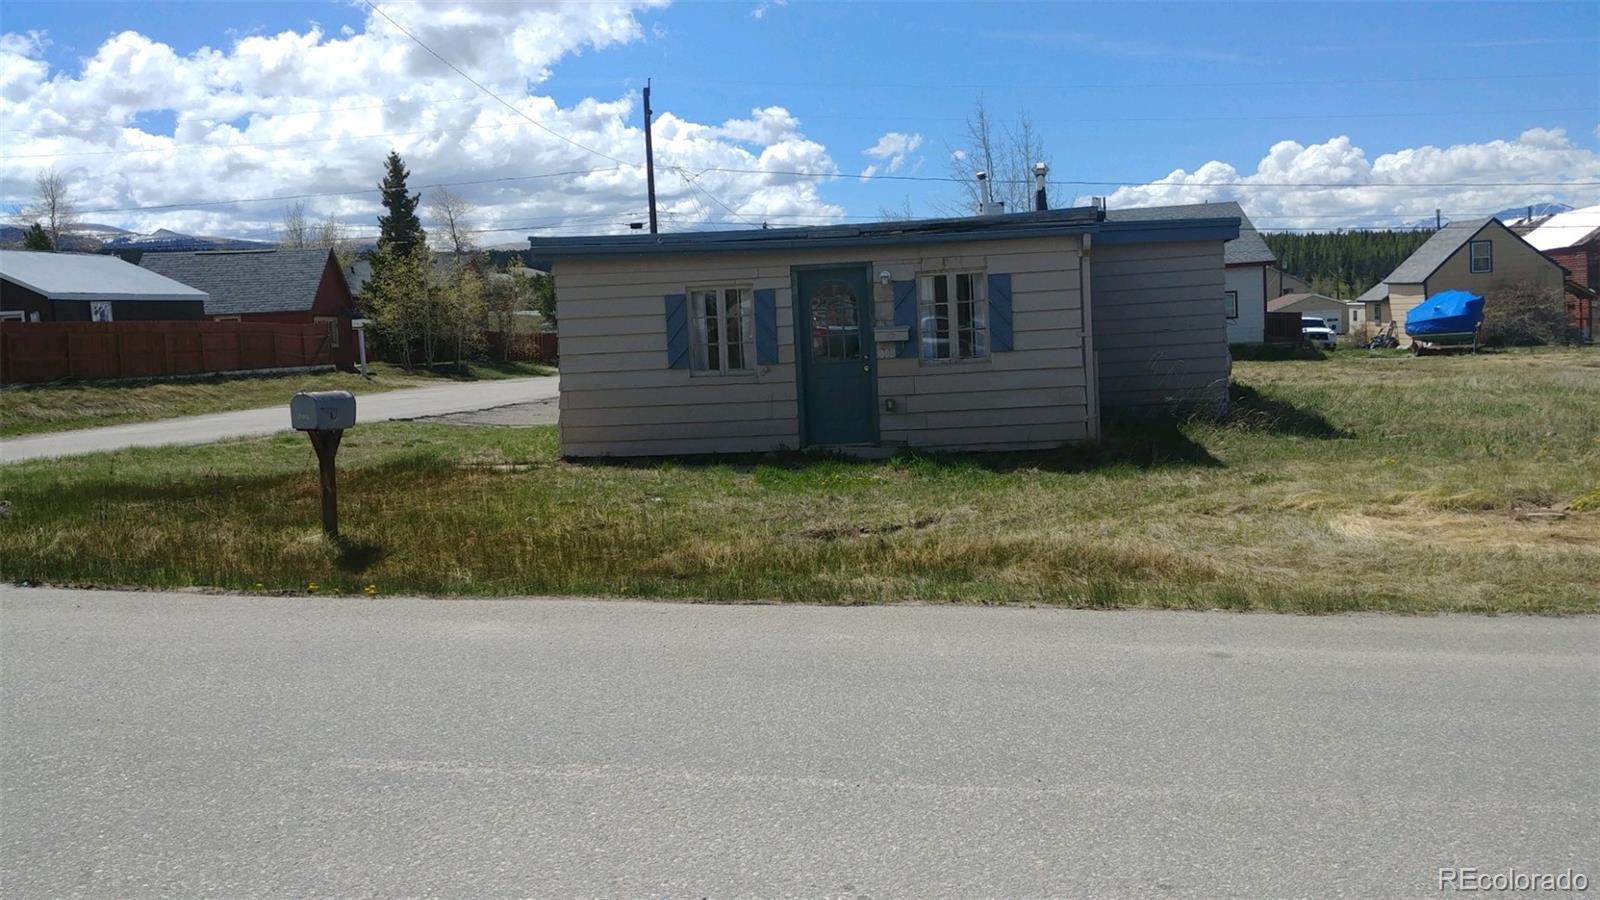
279,285
1280,282
1347,316
1572,240
1477,255
997,332
1248,261
88,287
1375,301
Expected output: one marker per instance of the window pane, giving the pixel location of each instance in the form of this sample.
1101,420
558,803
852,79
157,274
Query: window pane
966,348
835,322
733,316
698,301
941,317
713,333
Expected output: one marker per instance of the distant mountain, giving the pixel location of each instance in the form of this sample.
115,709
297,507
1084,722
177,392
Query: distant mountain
166,240
1519,215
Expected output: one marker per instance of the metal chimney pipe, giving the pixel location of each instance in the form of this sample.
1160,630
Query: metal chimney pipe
1040,203
983,193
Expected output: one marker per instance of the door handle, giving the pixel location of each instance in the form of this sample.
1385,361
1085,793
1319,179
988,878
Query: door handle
867,367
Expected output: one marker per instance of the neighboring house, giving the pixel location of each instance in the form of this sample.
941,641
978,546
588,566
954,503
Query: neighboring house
996,332
1375,300
1280,282
85,287
1248,262
1348,316
292,286
1478,255
1572,240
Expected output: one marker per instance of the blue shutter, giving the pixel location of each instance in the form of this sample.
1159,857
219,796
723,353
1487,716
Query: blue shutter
766,327
905,314
677,331
1000,312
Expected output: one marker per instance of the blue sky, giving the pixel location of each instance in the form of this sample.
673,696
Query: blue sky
1120,92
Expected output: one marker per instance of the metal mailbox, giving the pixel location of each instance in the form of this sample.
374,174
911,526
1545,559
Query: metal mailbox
322,410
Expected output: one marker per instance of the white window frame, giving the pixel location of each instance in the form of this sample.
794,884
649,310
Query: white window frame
13,315
699,338
97,307
981,337
1472,257
1230,300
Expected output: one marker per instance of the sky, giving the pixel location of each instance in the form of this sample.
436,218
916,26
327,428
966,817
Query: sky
210,117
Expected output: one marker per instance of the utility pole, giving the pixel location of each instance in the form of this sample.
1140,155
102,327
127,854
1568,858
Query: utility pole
649,158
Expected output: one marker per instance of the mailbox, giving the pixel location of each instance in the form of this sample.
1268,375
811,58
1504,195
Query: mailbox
322,410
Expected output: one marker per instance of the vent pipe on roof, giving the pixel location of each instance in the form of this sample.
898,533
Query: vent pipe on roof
986,204
1040,203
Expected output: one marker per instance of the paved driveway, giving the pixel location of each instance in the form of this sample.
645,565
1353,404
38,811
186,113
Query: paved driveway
184,745
411,403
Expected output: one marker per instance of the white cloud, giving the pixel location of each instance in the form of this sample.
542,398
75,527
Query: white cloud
1393,189
761,10
894,147
286,94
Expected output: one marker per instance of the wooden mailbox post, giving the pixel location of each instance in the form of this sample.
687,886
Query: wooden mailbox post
323,416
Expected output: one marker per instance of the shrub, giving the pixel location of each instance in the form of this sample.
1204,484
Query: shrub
1524,314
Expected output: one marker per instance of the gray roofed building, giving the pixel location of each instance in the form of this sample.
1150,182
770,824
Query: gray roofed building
89,276
1433,252
1375,294
246,282
1247,249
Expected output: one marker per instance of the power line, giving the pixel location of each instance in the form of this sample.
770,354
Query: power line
502,101
394,103
242,144
1149,183
1127,85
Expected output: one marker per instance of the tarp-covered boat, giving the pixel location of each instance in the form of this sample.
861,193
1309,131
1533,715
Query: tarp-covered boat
1447,319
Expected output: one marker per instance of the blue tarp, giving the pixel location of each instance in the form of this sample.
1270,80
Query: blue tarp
1447,312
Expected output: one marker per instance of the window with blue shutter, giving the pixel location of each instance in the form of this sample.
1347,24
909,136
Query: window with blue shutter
1000,312
677,331
955,318
766,327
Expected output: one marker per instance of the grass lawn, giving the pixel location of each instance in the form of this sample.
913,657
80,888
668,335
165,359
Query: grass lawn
61,407
1364,481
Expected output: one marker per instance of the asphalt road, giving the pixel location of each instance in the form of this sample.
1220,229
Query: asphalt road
411,403
182,745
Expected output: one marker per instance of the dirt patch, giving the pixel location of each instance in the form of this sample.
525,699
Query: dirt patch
837,532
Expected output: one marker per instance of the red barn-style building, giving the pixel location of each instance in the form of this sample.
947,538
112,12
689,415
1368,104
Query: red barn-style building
293,286
1571,240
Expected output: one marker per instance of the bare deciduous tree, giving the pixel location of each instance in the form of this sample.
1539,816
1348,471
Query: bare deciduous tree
296,230
453,212
331,234
52,207
1007,153
1525,313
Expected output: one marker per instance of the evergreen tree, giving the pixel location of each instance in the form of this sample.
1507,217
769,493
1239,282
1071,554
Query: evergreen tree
36,238
1345,263
399,228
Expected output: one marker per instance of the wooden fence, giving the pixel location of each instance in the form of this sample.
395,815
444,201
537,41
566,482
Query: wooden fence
1283,328
537,346
34,352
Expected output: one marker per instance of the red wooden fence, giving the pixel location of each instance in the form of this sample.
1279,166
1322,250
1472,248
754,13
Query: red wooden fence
33,352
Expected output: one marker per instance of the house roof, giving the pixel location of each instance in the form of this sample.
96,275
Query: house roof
1049,223
1277,304
89,276
1444,243
1567,229
247,281
1247,249
1375,294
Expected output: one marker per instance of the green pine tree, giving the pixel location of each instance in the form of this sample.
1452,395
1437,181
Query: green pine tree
399,228
36,238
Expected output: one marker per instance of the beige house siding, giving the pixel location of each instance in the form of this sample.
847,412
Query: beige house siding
1159,333
618,396
1402,297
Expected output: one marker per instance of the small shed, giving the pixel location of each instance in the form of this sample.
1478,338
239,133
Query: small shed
280,285
989,332
89,287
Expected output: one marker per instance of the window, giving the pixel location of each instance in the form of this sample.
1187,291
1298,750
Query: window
721,331
13,315
1482,256
953,309
99,310
332,324
1230,303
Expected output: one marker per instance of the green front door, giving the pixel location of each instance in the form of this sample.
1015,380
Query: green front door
838,396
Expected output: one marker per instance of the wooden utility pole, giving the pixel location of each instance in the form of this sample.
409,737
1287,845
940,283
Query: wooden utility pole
649,158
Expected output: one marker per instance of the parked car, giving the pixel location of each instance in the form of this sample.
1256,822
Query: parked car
1320,336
